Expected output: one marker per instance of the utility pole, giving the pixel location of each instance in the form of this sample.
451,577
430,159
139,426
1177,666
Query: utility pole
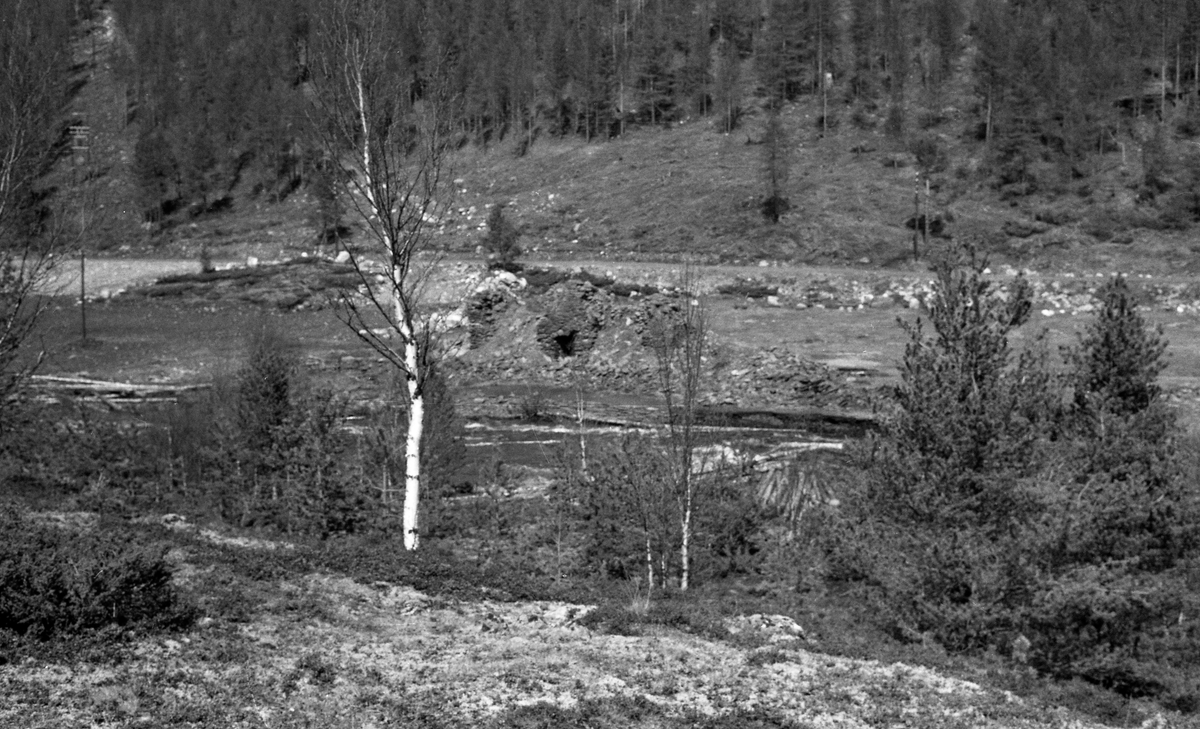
916,214
82,152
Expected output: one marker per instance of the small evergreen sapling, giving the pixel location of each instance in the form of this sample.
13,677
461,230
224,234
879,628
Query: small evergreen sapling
502,241
1117,363
1132,501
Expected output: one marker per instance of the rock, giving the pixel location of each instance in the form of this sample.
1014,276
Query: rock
775,628
251,261
1024,228
342,257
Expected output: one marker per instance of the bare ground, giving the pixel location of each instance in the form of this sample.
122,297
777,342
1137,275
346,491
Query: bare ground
322,650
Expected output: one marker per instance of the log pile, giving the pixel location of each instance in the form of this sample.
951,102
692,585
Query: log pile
56,386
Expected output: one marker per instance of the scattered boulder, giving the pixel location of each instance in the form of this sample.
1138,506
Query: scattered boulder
1024,228
772,628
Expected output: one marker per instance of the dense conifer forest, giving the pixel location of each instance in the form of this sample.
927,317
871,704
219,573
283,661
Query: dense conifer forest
219,91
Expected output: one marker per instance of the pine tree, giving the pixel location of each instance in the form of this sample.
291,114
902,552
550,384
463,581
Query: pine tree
1115,366
776,166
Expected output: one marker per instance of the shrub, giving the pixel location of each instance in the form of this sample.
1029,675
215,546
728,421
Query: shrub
748,289
930,153
74,453
628,516
1156,165
533,408
206,262
276,455
56,584
774,207
539,280
626,511
1118,360
502,241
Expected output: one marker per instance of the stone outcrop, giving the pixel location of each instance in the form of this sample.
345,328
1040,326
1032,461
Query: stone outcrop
490,300
575,312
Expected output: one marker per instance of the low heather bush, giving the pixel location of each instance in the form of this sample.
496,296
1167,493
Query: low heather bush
57,584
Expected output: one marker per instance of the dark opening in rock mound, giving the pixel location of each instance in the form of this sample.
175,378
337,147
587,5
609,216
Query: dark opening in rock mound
573,318
565,344
567,330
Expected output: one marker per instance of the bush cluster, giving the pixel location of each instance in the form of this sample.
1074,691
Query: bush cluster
263,448
624,518
1003,502
55,584
502,242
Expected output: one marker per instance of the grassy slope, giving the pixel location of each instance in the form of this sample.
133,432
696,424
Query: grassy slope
689,190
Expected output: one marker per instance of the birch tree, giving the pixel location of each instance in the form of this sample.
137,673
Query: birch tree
381,119
679,350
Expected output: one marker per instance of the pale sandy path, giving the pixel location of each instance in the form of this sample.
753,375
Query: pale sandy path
112,274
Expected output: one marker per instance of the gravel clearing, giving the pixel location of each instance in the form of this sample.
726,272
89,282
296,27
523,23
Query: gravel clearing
106,277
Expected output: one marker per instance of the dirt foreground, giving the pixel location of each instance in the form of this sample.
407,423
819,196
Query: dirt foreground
324,651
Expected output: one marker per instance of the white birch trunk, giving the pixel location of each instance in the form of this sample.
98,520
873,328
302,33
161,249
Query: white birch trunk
685,542
412,463
416,423
416,416
649,566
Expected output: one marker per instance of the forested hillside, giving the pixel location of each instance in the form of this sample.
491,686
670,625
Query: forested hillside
217,96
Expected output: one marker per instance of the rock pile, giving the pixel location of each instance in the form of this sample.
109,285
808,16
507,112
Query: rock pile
1068,296
777,377
770,628
491,297
303,283
612,350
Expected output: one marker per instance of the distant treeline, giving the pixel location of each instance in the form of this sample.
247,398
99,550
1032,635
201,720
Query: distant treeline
218,89
35,66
